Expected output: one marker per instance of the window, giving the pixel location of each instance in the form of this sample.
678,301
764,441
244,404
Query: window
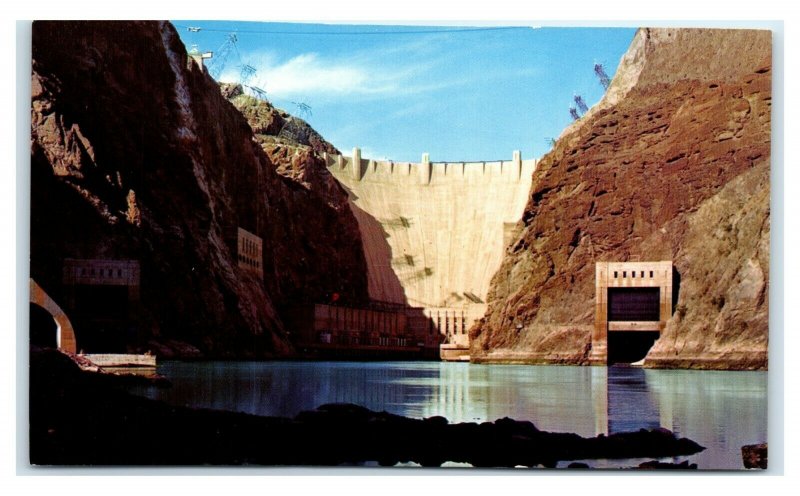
633,274
651,274
615,274
642,274
624,273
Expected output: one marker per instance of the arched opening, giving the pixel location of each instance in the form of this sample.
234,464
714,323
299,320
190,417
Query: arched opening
43,328
65,335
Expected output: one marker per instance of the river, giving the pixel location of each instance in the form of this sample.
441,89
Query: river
718,409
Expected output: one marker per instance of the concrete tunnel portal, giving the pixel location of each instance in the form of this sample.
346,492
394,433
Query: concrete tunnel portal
633,302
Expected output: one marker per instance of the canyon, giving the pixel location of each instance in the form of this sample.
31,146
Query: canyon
138,154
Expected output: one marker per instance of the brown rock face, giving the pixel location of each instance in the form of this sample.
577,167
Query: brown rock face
273,125
135,154
672,165
291,144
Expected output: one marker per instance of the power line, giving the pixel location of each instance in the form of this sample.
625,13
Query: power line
195,29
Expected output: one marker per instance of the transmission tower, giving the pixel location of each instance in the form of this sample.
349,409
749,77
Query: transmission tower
551,142
581,104
259,93
601,74
222,55
574,113
246,73
294,128
303,110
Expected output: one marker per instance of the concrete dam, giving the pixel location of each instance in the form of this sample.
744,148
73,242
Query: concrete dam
434,233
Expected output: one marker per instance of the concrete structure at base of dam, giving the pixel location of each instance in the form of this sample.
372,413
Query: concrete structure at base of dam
434,233
380,331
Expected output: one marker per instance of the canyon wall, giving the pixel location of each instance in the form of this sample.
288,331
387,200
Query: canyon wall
135,154
673,164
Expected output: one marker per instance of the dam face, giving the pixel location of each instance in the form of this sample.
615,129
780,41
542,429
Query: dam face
434,233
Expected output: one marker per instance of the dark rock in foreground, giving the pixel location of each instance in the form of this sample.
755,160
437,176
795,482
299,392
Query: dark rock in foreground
648,465
654,464
78,420
755,455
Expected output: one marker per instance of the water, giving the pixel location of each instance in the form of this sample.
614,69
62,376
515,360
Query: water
720,410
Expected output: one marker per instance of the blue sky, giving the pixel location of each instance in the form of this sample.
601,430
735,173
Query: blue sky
399,91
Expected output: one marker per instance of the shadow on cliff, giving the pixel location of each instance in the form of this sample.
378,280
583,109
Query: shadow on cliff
676,288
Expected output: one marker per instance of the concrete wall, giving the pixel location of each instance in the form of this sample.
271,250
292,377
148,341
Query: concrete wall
101,272
347,329
95,317
121,360
434,233
628,275
453,323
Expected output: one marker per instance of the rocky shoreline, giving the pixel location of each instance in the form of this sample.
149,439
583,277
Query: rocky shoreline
82,418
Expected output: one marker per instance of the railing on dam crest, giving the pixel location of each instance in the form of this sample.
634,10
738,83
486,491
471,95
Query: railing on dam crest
427,172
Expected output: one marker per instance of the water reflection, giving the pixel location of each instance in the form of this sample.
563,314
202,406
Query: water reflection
725,410
630,403
720,410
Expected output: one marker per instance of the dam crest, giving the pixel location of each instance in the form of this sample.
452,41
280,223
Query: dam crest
427,172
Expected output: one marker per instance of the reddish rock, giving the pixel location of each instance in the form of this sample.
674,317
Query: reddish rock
274,126
755,456
672,165
297,153
135,154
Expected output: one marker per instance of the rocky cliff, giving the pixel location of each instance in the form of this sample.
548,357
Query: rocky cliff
291,144
673,164
135,154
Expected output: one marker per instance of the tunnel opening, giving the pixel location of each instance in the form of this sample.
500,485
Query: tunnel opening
632,305
629,347
101,317
43,328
